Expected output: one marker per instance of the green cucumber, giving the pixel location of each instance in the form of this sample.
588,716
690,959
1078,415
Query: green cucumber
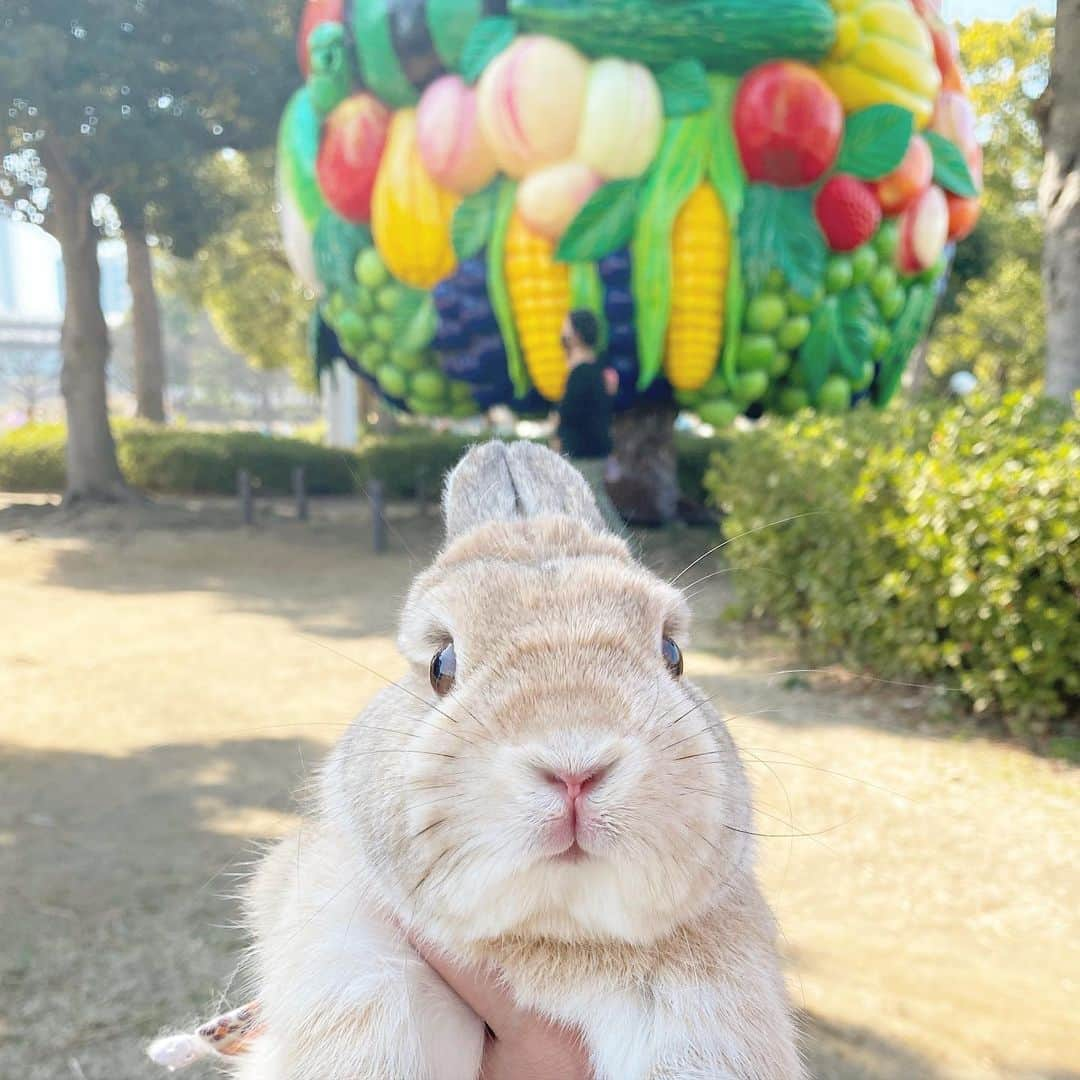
677,170
380,67
725,35
297,151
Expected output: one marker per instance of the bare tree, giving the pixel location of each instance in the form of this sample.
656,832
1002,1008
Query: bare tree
1059,200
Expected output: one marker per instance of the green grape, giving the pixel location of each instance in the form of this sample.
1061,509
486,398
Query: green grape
864,262
765,313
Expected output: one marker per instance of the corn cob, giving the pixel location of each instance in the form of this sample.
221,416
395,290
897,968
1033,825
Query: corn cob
700,260
540,297
410,214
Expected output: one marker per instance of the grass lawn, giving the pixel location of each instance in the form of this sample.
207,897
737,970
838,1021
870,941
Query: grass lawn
169,679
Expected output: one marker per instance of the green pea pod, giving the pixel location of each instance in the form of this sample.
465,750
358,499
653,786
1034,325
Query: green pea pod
297,151
677,170
727,176
499,291
910,328
587,291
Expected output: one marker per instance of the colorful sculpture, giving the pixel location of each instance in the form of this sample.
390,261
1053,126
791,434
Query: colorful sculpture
757,199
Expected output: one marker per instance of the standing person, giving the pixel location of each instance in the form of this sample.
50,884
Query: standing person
584,433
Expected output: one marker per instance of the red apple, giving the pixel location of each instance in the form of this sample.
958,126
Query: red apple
847,212
788,124
316,11
897,191
924,228
353,138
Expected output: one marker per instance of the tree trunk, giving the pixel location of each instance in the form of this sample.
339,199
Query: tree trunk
645,484
146,323
1059,200
92,471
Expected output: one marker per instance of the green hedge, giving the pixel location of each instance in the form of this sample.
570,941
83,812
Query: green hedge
941,545
179,461
32,458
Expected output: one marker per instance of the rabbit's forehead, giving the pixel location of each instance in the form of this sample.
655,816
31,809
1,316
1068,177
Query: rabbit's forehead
491,596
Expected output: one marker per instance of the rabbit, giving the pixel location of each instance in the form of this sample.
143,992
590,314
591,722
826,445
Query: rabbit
544,791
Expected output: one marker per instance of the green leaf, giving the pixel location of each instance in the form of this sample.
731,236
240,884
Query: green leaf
685,87
950,169
587,291
499,290
816,353
677,170
875,141
489,37
415,321
603,225
856,329
726,173
777,230
473,221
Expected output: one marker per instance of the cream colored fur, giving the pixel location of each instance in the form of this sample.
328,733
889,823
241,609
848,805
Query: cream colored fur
434,814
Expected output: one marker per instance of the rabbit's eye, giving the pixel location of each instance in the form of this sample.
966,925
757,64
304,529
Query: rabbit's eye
443,670
672,656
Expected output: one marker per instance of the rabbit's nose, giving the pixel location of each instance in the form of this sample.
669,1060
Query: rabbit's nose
575,783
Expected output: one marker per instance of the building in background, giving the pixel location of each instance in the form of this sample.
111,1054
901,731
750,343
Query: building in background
31,313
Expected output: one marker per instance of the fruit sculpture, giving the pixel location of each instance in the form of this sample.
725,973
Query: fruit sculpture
757,199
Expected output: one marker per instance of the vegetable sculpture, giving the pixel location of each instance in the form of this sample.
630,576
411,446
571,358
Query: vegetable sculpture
758,200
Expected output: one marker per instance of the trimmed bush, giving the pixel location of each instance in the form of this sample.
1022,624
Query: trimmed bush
940,545
178,461
695,453
409,462
183,462
32,458
195,462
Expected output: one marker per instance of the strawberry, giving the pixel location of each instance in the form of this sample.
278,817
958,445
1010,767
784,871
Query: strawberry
847,211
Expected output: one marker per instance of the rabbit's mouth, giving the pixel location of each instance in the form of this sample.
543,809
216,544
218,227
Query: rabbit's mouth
575,853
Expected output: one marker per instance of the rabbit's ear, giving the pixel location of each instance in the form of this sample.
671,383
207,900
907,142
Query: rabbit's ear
513,482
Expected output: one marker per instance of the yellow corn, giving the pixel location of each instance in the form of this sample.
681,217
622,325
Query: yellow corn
539,290
410,214
701,249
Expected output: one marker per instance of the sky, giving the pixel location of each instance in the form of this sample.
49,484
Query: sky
966,10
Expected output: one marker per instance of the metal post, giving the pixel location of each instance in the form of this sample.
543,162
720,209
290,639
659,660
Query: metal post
421,491
378,516
247,500
299,486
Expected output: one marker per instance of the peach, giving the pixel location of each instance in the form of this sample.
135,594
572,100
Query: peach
623,121
924,229
531,98
549,199
897,191
451,143
954,117
963,216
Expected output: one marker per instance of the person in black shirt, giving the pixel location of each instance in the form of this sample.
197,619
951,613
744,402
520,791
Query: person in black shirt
584,433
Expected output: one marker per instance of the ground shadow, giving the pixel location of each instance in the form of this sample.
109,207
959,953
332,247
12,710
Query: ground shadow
115,883
851,1052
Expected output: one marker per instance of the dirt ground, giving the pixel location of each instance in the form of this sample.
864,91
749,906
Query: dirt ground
168,678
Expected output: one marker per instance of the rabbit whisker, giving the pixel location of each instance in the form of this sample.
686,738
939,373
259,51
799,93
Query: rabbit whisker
740,536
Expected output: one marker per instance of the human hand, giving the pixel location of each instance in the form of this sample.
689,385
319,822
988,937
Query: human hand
520,1044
